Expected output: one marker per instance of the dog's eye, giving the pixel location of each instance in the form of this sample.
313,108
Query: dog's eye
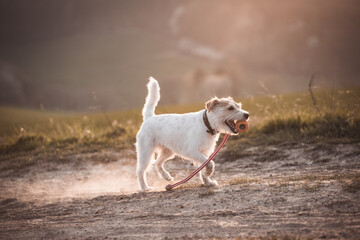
230,108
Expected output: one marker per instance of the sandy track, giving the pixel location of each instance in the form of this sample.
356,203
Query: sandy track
83,200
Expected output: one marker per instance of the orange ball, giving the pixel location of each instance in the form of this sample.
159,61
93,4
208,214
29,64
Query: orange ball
242,126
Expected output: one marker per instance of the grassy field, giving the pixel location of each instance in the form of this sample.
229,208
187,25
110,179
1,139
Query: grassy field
274,119
296,171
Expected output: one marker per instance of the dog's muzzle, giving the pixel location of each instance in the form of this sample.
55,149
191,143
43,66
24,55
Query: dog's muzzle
231,124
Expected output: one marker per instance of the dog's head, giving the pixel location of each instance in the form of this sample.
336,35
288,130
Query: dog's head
223,113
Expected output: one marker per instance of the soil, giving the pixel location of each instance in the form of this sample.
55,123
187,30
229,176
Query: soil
293,190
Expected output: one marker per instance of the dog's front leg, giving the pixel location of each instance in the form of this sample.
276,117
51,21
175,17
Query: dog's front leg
208,171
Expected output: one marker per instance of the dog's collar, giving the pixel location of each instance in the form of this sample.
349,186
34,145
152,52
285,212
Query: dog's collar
207,124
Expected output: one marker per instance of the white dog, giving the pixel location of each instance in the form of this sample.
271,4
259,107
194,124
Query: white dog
192,136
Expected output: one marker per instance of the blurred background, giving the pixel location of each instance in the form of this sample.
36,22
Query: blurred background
88,54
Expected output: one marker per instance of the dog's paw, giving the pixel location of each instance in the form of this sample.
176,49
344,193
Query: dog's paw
146,189
169,178
210,183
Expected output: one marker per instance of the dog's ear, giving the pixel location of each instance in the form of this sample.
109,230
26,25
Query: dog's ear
209,105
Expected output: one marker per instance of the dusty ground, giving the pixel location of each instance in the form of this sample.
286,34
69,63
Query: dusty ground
299,190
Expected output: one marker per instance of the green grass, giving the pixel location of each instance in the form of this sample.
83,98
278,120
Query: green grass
274,119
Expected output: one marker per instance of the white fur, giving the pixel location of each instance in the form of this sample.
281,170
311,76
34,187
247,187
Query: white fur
184,135
152,98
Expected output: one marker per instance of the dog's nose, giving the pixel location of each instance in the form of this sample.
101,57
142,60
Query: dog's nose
246,116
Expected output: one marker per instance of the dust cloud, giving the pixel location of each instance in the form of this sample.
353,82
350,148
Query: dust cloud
85,175
78,180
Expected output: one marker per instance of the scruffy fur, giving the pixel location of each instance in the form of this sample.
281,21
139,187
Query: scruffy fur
184,135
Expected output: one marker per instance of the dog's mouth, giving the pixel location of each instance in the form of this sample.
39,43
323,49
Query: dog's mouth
231,125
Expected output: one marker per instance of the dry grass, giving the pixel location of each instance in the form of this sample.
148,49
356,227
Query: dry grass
275,119
312,186
190,186
280,237
206,193
293,118
285,237
243,181
350,182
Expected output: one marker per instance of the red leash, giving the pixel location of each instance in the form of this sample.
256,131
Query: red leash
170,186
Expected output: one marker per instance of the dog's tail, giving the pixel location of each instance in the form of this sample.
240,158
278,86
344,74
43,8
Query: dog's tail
152,98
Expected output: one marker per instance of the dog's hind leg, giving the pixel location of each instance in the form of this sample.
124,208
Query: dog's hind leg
145,152
164,155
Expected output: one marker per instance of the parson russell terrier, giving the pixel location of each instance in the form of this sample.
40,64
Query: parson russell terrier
192,136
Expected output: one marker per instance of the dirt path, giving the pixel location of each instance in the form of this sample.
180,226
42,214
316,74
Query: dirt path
297,190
